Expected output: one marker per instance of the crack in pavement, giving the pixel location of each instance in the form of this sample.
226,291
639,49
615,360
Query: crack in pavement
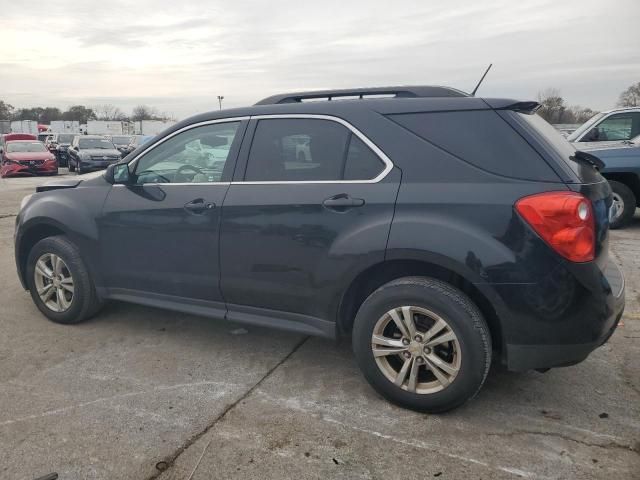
631,447
8,215
170,461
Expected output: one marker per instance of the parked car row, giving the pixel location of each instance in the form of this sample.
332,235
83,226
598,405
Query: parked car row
71,150
26,154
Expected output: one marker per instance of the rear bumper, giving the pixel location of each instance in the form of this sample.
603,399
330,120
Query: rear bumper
521,357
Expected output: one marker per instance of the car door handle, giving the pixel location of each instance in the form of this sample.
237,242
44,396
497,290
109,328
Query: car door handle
199,206
342,201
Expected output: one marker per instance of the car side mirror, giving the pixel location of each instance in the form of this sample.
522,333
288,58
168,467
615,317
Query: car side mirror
118,173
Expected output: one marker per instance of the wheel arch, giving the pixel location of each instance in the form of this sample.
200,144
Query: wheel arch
630,179
28,238
373,277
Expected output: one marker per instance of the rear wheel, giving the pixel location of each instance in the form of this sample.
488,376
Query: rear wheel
422,344
624,204
59,281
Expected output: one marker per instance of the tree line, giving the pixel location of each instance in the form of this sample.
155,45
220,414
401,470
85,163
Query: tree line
80,113
554,109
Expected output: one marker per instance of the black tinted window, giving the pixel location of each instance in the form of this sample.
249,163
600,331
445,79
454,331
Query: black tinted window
308,150
362,163
481,138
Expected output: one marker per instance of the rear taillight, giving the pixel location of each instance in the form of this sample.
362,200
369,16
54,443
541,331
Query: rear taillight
564,220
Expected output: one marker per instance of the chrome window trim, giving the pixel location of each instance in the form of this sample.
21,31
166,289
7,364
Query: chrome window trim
164,184
388,164
381,155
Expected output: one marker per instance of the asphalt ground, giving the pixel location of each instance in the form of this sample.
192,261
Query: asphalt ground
139,393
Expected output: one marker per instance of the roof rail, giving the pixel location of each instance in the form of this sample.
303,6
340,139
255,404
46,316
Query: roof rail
397,92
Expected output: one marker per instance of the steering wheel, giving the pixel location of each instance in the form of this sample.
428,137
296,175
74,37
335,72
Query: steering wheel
179,175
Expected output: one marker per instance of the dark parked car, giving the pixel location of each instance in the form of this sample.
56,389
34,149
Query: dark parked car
135,142
58,144
26,157
436,229
91,152
622,169
121,142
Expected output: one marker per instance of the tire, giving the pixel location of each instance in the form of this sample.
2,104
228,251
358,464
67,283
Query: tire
467,356
83,302
626,200
72,167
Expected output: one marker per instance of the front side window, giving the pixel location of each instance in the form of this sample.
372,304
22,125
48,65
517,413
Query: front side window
197,155
304,149
620,126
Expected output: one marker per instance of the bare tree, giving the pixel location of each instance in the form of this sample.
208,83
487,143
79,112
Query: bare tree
109,112
553,107
578,114
6,110
630,97
144,112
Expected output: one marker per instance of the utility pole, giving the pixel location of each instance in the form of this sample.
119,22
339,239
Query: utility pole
220,98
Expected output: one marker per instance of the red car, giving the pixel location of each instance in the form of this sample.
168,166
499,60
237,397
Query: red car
27,157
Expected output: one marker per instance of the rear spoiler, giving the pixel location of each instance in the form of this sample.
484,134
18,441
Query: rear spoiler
587,159
529,107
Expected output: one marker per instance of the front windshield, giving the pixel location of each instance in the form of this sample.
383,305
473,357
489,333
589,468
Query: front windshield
24,147
65,138
97,143
585,127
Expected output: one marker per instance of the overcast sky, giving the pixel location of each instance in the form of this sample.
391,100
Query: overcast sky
179,55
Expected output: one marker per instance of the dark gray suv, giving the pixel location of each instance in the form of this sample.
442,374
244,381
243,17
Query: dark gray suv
438,230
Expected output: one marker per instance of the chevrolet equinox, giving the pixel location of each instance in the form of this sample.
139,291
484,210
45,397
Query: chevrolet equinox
439,231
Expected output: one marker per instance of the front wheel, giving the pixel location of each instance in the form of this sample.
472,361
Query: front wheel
59,281
422,344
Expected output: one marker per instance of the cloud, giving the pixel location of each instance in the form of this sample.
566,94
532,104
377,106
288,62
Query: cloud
179,57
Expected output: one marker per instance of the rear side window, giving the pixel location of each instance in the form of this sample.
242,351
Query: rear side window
481,138
309,150
362,163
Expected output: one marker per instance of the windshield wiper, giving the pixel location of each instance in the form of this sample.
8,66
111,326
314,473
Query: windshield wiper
587,159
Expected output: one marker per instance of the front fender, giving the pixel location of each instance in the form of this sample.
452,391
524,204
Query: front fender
71,212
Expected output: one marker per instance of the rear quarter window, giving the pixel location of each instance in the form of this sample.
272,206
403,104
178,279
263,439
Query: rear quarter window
481,138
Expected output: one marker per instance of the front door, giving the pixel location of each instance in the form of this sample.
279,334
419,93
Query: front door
312,203
160,231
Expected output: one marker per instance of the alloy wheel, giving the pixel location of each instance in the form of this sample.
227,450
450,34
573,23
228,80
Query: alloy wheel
416,349
53,282
617,207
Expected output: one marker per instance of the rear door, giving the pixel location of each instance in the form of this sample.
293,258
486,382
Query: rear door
311,203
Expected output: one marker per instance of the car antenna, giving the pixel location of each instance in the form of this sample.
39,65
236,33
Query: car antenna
473,94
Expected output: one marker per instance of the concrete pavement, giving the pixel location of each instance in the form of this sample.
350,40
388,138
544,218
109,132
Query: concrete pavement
139,393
